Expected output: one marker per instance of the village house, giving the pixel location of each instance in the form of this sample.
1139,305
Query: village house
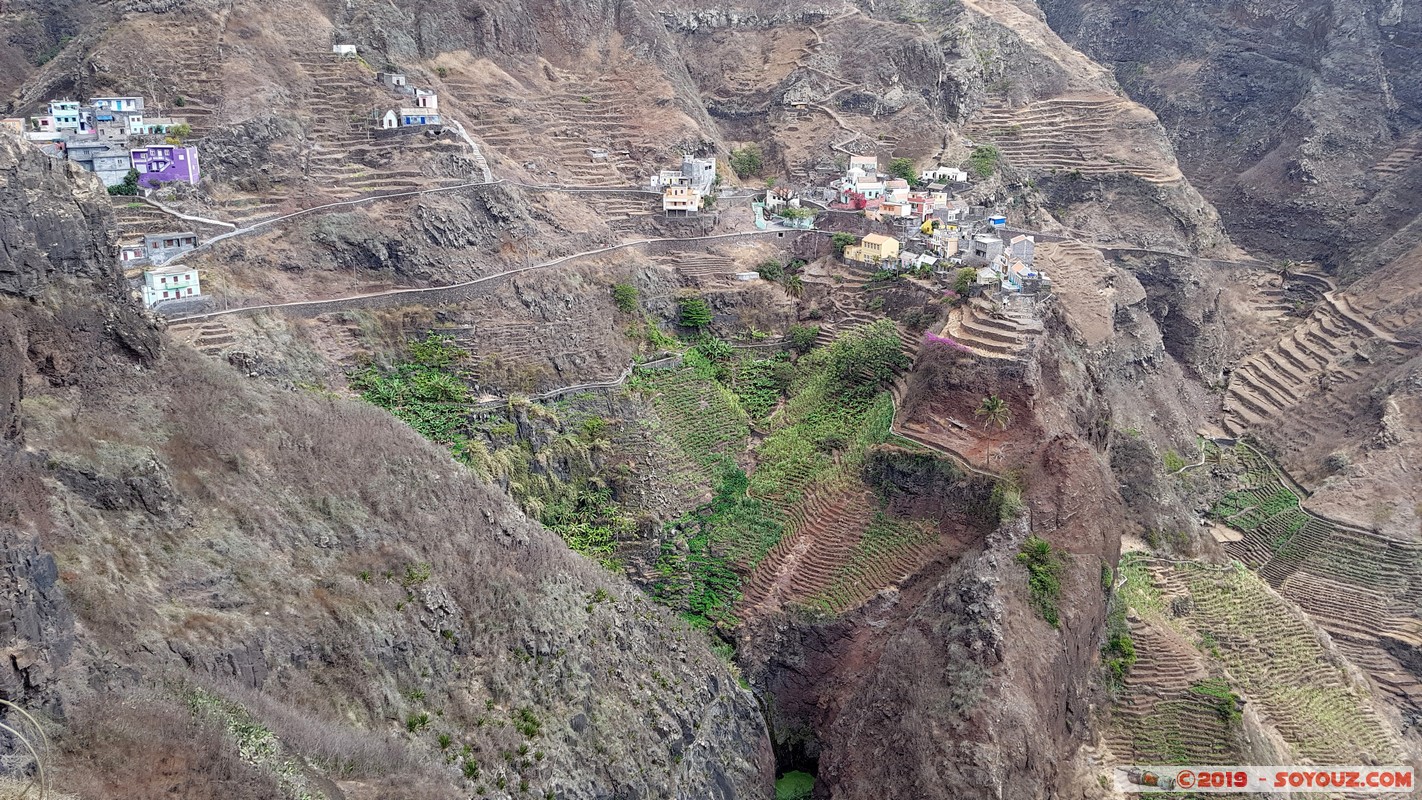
163,247
344,50
683,190
165,163
681,200
985,247
387,121
64,115
873,249
942,173
869,165
117,117
395,80
133,253
1022,247
102,158
170,283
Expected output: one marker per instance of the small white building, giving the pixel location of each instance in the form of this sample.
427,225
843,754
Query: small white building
170,283
426,99
393,79
389,120
942,173
344,50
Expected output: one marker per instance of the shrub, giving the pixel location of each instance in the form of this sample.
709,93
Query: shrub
963,283
694,312
1173,461
625,296
747,161
1044,577
417,721
179,101
903,168
803,337
983,160
771,270
866,357
128,188
526,723
795,785
841,241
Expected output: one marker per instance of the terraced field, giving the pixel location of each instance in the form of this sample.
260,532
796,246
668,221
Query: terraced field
1333,346
1359,585
1204,634
703,418
1087,134
992,333
570,129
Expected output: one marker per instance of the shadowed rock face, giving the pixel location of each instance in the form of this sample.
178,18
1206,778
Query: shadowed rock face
1299,121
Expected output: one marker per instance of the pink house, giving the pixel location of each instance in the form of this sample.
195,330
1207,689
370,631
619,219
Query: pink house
165,163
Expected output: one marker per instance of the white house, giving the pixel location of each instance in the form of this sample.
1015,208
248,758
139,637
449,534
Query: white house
942,173
170,283
426,99
344,50
389,120
869,164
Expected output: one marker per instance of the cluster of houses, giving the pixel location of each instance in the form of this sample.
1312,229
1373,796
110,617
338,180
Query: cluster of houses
891,198
684,191
98,135
1003,264
422,108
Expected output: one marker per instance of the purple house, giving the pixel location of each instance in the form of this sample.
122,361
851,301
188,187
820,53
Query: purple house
161,163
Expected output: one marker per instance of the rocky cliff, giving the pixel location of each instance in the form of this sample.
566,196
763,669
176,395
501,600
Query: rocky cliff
300,577
1301,122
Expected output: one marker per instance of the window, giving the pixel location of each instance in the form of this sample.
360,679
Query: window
190,290
165,280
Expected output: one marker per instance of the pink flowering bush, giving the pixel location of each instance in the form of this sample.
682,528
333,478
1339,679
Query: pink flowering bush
934,340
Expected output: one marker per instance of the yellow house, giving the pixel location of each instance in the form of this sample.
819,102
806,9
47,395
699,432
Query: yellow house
873,249
680,200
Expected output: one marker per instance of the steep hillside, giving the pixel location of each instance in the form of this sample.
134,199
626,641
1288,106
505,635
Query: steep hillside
333,604
1300,122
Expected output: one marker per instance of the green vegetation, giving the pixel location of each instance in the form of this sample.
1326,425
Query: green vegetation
771,269
1247,509
842,240
864,358
177,134
1226,703
794,786
964,281
429,393
993,410
903,168
1044,577
694,312
803,337
129,186
1118,653
819,432
624,295
416,722
1173,462
983,160
526,723
747,161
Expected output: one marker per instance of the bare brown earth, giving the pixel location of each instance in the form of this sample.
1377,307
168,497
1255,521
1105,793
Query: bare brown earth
940,680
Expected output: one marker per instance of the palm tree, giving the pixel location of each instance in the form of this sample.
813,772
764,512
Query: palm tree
794,286
994,410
